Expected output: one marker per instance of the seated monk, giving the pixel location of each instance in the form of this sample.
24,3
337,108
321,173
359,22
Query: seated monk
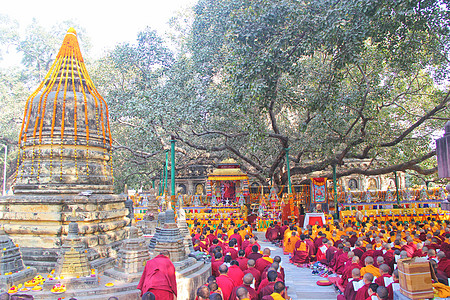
342,260
363,292
384,271
349,291
347,273
370,268
290,242
444,263
369,252
301,251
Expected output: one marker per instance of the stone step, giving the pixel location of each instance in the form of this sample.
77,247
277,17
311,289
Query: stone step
194,268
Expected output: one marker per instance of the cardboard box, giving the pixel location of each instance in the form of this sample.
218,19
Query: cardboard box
415,279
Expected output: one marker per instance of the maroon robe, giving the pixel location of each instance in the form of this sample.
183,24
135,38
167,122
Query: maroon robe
347,273
341,263
363,257
265,290
362,293
444,266
226,284
235,273
158,274
380,280
242,263
252,294
262,263
256,274
238,237
301,257
215,267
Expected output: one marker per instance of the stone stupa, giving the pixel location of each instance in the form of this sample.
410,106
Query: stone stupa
64,163
190,273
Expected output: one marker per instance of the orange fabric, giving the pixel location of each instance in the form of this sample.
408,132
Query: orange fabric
290,245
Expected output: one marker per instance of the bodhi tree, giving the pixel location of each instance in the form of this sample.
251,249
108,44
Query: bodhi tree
328,80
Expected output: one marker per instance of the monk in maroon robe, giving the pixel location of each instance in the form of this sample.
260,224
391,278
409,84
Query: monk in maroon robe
341,261
347,272
225,283
444,263
363,292
301,251
158,277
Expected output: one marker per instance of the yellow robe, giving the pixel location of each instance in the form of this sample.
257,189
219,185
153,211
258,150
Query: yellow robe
370,269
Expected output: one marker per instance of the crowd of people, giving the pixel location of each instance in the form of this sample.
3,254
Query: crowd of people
240,268
359,258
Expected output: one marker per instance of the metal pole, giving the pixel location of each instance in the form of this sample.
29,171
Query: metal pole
396,188
335,192
288,169
172,165
165,171
4,170
160,183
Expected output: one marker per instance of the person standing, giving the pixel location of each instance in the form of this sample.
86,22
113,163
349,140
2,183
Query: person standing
159,278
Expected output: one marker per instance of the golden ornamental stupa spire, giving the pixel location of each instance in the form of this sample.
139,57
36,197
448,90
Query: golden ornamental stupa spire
65,138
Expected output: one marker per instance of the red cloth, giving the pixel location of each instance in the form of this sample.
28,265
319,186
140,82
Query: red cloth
301,257
444,266
238,237
313,220
161,294
215,267
235,273
391,290
362,293
158,274
226,284
251,292
242,263
256,274
262,263
380,280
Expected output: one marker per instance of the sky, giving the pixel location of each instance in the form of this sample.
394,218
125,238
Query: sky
106,22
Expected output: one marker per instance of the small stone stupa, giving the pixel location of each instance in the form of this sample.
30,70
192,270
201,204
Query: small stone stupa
149,221
11,265
73,260
64,161
131,258
184,231
169,238
190,272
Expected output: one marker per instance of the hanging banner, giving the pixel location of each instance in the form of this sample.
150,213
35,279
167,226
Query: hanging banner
245,189
318,190
208,188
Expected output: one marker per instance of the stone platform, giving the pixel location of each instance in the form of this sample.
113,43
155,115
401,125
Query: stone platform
302,284
38,223
188,280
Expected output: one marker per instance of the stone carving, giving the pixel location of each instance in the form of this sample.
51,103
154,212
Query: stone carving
64,161
169,238
184,231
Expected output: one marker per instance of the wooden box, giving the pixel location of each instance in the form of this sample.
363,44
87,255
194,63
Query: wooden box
415,279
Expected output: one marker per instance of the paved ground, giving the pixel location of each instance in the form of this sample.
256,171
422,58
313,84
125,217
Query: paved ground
302,284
